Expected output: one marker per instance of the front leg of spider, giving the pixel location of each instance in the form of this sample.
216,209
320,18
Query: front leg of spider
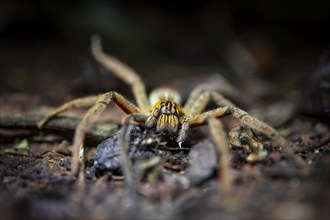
97,105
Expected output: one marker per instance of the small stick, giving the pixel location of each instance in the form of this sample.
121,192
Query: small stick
63,126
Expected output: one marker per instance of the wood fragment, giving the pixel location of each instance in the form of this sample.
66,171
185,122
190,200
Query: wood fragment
63,126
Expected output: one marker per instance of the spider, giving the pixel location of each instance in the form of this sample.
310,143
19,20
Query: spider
162,113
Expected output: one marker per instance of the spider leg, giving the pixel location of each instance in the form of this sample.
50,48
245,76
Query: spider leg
263,127
220,139
88,120
98,104
199,99
198,120
89,101
76,103
196,102
124,143
183,132
195,98
248,120
122,71
201,119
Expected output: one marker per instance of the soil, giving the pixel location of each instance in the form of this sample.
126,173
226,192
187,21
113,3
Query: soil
36,181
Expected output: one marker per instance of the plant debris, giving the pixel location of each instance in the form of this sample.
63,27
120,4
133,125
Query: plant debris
22,148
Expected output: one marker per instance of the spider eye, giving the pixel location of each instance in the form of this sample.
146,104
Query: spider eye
243,139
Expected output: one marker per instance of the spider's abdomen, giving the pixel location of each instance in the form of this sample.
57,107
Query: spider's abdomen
168,120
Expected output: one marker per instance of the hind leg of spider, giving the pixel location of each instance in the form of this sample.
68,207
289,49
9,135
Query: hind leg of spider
249,121
220,139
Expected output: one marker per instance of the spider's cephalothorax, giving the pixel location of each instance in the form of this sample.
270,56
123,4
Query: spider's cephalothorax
166,112
162,113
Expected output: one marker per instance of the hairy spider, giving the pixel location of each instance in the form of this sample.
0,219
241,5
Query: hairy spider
162,113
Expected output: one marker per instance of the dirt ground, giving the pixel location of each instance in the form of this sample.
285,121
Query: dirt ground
36,181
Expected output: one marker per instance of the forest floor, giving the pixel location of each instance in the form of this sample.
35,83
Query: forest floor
36,182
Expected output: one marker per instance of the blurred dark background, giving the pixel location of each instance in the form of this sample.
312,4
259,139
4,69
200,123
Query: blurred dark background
44,45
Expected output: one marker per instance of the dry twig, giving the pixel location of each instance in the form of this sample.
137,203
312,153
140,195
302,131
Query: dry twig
26,125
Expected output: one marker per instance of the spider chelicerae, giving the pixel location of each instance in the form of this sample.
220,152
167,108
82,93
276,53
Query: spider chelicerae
162,113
